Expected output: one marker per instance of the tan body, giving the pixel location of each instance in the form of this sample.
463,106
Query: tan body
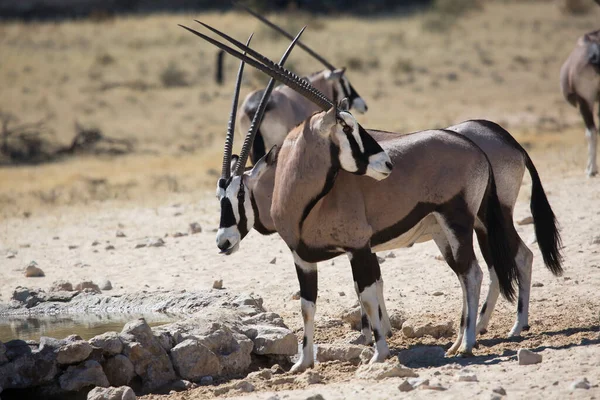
580,84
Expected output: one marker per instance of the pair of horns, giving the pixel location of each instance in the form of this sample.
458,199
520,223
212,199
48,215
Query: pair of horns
276,72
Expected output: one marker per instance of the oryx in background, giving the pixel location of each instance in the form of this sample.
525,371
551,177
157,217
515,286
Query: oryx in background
580,84
286,108
335,192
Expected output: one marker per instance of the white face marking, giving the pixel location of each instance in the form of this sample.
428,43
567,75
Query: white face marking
232,233
346,158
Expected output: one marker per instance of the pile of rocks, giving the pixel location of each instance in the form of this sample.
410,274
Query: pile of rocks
219,342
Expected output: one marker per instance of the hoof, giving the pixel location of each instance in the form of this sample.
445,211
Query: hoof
482,331
526,328
378,357
465,353
299,367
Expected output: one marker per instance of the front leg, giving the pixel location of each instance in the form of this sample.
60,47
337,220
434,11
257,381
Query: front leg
365,269
307,277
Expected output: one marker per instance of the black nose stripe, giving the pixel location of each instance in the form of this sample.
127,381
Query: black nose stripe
227,216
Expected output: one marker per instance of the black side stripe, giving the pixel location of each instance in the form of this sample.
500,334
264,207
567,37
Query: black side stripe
258,225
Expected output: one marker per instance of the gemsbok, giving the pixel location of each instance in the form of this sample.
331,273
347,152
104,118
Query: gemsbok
286,108
580,84
335,192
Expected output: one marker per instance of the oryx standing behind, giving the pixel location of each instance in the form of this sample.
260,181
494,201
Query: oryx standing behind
580,84
323,205
286,108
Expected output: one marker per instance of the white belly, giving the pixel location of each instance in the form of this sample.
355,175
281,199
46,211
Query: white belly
421,232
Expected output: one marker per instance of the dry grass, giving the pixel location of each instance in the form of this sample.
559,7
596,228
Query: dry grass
147,80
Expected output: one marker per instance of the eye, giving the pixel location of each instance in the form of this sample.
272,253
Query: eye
347,129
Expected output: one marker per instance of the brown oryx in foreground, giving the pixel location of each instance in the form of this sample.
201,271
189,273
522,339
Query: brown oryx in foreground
580,84
286,108
441,187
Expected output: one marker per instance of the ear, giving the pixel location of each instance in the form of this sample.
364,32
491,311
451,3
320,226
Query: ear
324,123
336,74
234,160
345,104
268,160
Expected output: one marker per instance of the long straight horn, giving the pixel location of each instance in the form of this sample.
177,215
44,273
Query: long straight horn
260,112
226,170
259,57
288,35
282,75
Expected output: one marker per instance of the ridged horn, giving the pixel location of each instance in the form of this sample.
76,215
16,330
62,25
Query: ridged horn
226,170
260,112
288,35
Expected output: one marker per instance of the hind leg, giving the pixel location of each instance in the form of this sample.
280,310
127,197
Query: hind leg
524,260
494,288
456,244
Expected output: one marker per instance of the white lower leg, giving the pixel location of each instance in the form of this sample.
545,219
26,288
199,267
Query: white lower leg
367,337
385,318
472,281
490,303
524,260
592,139
371,305
307,357
463,317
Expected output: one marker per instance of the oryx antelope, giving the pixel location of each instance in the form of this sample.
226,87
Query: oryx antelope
286,108
441,188
580,84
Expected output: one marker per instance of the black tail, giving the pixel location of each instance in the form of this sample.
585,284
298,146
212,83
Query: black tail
544,220
500,250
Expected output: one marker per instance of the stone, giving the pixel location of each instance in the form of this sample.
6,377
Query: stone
265,374
88,285
3,357
74,352
119,370
61,296
405,386
397,319
499,390
28,366
315,397
218,284
353,317
537,284
390,255
206,380
269,318
111,393
296,295
195,228
418,382
109,342
20,294
526,221
421,356
193,360
109,247
528,357
277,370
437,293
33,271
165,339
76,377
120,234
386,369
180,385
155,242
150,360
582,383
411,329
95,243
105,285
61,286
436,387
179,234
337,352
273,261
309,377
466,377
244,386
274,340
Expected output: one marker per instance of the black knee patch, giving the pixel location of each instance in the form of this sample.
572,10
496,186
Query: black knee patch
365,268
520,306
380,313
377,335
364,320
304,341
462,321
484,308
468,320
308,284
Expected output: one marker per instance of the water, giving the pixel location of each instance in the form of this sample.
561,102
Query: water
63,325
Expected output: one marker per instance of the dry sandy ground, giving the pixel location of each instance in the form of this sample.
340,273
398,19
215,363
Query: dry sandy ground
564,317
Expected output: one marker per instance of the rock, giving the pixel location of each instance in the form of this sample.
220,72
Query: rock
193,360
405,386
526,221
3,357
411,329
120,234
390,255
353,317
119,370
77,377
195,228
466,377
296,295
218,284
244,386
580,384
437,293
61,286
73,246
165,339
20,294
155,242
276,369
537,284
274,340
387,369
595,240
381,260
106,285
150,360
181,384
109,247
499,390
418,382
11,254
29,366
422,356
437,387
95,243
88,285
273,261
315,397
269,318
109,342
111,393
179,234
74,352
265,374
528,357
33,271
342,294
206,380
397,319
309,377
61,296
336,352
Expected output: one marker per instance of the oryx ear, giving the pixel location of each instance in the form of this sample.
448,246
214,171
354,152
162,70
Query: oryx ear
344,104
336,74
265,161
325,123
